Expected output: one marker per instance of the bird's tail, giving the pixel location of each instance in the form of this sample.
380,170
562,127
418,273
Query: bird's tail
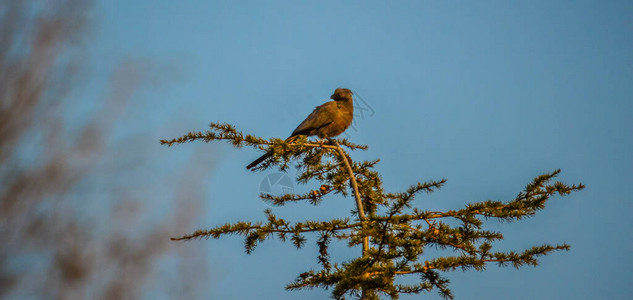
267,155
259,160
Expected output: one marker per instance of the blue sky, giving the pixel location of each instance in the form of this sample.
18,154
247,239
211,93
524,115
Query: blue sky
487,94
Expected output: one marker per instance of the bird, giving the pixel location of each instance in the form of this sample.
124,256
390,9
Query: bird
326,121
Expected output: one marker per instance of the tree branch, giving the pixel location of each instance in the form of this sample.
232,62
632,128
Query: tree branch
359,203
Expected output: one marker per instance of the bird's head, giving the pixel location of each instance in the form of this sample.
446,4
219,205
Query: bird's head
341,94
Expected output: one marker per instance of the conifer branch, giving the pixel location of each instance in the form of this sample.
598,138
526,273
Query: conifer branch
314,197
528,257
398,231
258,232
223,131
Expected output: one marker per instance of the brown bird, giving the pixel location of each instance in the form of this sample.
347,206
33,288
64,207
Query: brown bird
326,121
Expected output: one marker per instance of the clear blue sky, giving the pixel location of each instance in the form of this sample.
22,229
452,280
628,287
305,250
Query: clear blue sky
487,94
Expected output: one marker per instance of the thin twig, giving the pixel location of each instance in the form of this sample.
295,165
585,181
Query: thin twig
318,145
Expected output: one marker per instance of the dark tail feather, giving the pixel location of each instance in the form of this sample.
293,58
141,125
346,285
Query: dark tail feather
267,155
259,160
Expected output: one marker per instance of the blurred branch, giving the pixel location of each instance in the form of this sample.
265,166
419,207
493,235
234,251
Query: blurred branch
47,160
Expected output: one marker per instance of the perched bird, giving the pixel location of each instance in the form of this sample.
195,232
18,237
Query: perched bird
326,121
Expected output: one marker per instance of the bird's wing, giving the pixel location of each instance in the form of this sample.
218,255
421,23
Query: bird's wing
320,117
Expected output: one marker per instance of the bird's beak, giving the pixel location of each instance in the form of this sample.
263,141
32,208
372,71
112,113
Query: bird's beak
332,97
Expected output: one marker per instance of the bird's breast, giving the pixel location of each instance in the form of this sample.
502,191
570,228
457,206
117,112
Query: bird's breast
341,120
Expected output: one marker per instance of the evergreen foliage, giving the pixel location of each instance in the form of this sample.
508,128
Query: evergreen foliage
393,234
